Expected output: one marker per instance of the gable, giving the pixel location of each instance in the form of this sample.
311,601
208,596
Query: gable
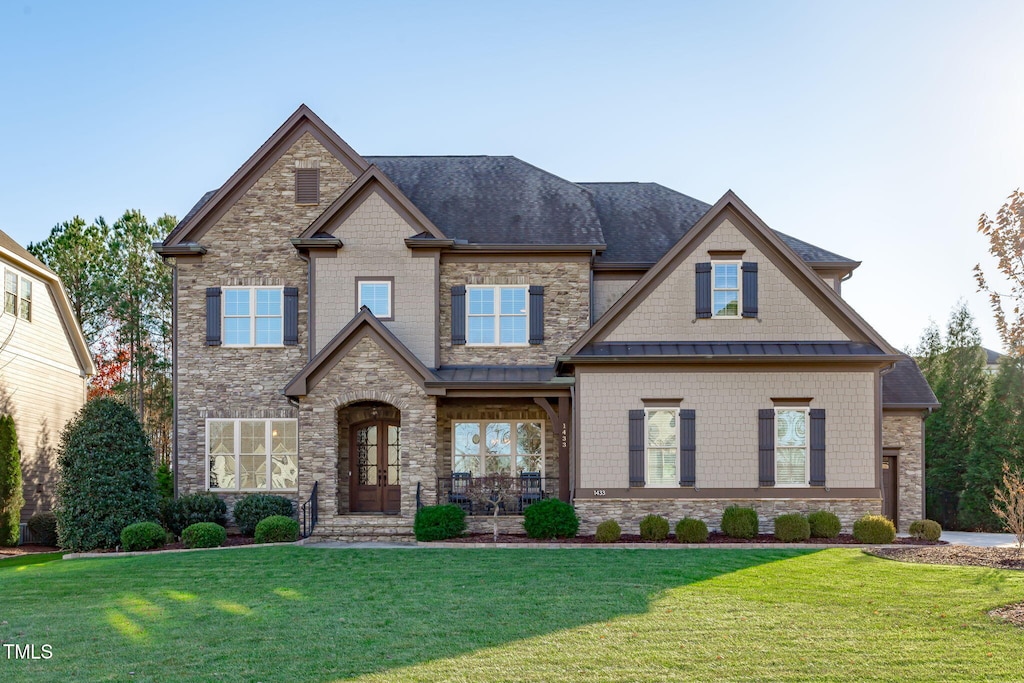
794,304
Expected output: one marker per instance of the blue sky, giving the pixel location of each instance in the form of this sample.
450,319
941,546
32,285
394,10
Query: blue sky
877,130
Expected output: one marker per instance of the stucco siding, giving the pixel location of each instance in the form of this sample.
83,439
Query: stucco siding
607,291
726,405
784,311
373,238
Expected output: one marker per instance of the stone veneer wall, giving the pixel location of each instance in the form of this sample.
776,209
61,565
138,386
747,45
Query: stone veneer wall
628,513
906,432
566,308
248,246
367,373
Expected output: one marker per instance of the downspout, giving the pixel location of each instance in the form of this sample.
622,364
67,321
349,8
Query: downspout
593,257
174,375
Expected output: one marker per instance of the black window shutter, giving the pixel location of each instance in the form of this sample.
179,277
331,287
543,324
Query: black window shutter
703,290
687,447
817,447
749,290
213,316
459,314
291,316
536,314
766,446
636,448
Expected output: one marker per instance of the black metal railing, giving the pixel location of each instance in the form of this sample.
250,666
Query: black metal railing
309,512
512,493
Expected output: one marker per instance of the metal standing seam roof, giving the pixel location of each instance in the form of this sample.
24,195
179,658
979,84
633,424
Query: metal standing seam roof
495,373
905,385
611,349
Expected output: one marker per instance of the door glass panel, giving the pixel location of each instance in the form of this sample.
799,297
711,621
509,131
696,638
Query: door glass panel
394,454
366,455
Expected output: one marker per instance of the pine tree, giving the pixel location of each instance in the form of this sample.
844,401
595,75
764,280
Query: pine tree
12,499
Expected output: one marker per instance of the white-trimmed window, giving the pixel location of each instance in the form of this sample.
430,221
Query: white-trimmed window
792,455
253,316
497,316
726,293
17,295
661,454
252,455
485,448
376,295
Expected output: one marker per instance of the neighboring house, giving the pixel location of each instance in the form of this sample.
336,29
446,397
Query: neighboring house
992,359
385,328
44,367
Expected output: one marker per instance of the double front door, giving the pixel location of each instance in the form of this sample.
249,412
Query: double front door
375,451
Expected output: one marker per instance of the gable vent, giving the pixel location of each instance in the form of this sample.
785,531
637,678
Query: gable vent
307,186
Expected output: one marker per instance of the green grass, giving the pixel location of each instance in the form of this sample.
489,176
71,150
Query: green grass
309,614
33,558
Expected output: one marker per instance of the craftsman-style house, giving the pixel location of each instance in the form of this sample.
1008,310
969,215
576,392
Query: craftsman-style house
381,330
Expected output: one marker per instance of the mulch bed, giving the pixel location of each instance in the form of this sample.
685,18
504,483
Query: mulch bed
959,555
713,538
1011,613
27,549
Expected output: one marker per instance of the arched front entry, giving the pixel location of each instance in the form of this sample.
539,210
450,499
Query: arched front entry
374,450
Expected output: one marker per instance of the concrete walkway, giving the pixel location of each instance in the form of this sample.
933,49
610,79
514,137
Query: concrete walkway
980,540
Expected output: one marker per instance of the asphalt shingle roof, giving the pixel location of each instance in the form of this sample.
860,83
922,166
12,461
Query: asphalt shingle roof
906,385
10,245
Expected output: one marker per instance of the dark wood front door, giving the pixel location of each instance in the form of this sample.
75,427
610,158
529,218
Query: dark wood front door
376,449
889,488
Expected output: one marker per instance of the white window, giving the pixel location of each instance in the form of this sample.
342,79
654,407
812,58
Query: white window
498,447
376,295
252,455
725,289
496,316
662,447
18,299
253,316
791,452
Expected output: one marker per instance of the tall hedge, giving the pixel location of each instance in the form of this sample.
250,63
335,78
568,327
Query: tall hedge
11,497
107,478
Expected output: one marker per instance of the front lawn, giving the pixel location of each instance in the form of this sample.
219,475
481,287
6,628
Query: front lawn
311,614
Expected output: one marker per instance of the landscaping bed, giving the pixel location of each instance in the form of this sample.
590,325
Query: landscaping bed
27,549
713,538
957,555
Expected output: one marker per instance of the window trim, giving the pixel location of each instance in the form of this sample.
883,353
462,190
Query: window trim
238,445
739,288
647,463
806,410
497,315
379,280
20,280
514,422
252,317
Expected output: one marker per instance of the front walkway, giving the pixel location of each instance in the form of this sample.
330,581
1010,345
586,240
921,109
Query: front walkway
980,540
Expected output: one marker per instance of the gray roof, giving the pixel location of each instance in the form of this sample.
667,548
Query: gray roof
905,385
191,212
731,349
991,357
8,243
495,200
495,373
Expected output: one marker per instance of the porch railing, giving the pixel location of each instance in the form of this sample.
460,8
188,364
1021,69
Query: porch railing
309,512
478,495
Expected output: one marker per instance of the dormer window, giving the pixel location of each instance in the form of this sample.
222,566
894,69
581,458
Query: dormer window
725,289
307,186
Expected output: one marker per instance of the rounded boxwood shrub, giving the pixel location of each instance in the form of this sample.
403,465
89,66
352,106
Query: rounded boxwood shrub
874,529
653,528
142,536
926,529
824,524
438,522
204,535
253,508
191,509
690,530
551,518
107,481
608,531
277,529
43,526
792,527
739,522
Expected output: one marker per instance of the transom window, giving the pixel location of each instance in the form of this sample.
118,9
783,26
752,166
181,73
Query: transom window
252,455
253,316
375,295
662,447
17,300
725,289
791,452
496,316
498,447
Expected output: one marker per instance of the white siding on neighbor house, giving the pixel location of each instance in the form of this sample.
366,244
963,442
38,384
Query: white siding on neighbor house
726,405
42,387
784,311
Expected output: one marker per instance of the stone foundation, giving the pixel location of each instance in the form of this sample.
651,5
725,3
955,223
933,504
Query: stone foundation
903,432
510,524
628,513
